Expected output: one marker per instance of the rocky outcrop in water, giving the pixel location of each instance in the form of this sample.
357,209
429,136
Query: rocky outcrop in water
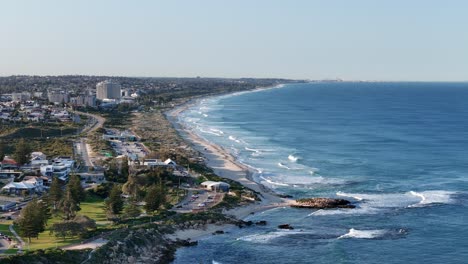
286,226
322,203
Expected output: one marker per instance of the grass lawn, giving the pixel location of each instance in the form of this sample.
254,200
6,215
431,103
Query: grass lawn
4,228
93,207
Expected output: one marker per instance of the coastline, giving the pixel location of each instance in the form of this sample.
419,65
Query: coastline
226,166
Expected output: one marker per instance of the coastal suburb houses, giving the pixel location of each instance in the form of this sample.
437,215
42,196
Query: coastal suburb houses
35,176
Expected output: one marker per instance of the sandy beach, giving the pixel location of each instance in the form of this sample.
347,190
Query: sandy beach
224,165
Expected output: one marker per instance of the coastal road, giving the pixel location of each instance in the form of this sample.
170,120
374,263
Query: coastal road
85,154
99,122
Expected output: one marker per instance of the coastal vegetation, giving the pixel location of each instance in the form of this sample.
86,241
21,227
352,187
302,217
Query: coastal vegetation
133,204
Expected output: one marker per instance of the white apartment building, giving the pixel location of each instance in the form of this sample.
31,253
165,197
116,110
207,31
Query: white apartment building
108,90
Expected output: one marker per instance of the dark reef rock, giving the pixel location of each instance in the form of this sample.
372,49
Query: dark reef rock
285,226
322,203
261,223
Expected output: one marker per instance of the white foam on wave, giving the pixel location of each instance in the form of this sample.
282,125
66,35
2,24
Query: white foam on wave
363,234
209,132
432,197
382,200
365,210
215,262
234,139
220,132
293,158
283,166
355,196
374,203
312,171
273,182
255,152
267,237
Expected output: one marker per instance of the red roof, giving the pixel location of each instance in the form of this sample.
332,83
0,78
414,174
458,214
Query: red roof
9,161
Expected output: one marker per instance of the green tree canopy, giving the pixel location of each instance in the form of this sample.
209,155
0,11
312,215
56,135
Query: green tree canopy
131,187
131,210
77,191
78,226
2,150
115,203
32,220
155,197
68,205
55,193
22,152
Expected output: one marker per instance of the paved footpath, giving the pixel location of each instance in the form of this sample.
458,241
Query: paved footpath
21,241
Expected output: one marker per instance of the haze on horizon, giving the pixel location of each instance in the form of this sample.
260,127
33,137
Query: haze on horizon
420,40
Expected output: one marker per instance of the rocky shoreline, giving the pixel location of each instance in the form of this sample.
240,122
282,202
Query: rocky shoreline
322,203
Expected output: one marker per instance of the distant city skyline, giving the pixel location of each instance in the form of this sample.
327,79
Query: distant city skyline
352,40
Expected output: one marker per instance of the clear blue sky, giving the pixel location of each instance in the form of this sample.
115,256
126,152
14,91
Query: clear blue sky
351,39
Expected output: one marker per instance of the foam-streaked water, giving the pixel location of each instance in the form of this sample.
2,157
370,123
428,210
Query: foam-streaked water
398,150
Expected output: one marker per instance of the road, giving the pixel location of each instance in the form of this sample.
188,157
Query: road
84,153
98,122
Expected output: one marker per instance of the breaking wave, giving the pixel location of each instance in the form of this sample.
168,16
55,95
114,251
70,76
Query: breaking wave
432,197
273,182
234,139
293,158
365,234
267,237
283,166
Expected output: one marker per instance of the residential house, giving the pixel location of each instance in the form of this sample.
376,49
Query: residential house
31,184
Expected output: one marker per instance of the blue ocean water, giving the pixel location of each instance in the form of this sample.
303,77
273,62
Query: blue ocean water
399,151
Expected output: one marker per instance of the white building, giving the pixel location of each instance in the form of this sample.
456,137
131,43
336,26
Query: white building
20,97
108,90
216,186
31,184
38,159
84,100
55,96
60,168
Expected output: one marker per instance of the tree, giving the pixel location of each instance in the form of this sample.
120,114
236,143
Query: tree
76,227
85,221
2,150
131,187
55,193
112,171
131,210
22,152
32,220
77,191
116,174
115,203
68,205
124,169
155,197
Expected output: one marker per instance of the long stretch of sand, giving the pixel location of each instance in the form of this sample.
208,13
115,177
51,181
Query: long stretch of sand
226,166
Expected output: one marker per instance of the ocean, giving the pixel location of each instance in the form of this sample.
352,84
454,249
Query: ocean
398,151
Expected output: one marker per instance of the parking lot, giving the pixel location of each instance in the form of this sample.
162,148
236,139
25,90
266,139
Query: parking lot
199,200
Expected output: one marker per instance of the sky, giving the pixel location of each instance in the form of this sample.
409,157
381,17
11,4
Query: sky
394,40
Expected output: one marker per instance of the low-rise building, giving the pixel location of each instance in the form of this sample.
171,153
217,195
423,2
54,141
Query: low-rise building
9,164
31,184
216,186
